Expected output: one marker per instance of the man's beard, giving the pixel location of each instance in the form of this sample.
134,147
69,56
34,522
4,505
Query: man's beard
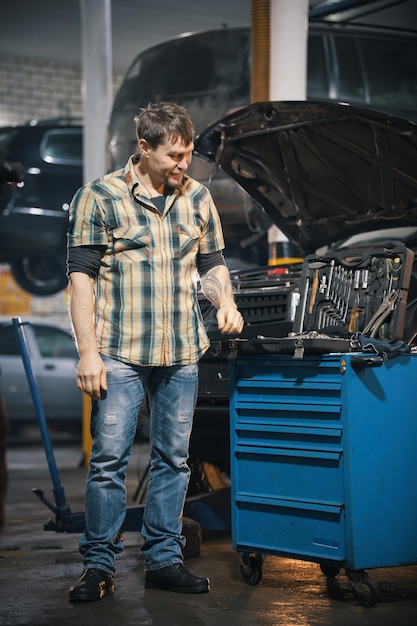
174,185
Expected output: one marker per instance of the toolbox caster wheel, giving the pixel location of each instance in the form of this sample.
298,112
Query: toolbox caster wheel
364,589
366,592
251,568
330,571
333,586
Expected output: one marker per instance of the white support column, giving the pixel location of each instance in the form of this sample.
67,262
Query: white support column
288,60
96,83
287,81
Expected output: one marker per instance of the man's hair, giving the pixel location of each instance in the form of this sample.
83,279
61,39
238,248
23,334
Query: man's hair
164,121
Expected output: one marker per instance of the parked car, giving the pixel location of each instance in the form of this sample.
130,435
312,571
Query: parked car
329,176
363,65
54,359
34,212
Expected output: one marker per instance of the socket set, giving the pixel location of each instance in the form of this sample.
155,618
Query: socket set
346,293
360,290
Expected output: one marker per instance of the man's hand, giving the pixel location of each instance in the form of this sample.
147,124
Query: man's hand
91,372
91,375
229,320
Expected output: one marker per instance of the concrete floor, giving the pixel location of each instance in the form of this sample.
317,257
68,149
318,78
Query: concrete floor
38,566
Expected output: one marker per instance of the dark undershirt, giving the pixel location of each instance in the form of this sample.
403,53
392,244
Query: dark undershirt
87,259
159,202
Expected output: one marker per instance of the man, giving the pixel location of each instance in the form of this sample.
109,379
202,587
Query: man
137,238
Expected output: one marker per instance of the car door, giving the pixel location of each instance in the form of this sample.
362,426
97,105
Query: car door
55,373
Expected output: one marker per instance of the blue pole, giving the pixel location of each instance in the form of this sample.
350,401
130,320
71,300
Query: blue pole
58,490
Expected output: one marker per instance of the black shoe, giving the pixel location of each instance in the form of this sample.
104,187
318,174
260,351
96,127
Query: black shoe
176,578
93,585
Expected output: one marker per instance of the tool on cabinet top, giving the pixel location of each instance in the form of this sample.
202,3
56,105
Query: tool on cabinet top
357,290
351,293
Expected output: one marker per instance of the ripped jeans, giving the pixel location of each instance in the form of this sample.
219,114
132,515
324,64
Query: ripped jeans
172,395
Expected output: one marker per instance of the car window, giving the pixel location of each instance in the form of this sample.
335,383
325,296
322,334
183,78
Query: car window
63,146
349,71
391,72
6,137
8,341
210,68
54,342
317,78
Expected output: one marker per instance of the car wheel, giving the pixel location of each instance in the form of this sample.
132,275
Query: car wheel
40,275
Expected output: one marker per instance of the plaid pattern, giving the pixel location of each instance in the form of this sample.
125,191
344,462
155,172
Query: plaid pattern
147,309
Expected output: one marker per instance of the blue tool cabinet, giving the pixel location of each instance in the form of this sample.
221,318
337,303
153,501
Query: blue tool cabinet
324,463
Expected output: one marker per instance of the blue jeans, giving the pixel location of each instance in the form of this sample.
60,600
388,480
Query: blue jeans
172,395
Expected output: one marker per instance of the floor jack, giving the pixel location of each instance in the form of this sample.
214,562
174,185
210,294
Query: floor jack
65,520
211,510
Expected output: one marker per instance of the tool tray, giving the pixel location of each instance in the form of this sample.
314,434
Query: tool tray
346,293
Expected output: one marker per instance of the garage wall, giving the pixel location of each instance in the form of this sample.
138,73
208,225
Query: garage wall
31,89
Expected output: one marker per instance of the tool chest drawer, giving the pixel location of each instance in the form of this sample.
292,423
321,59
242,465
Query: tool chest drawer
288,456
294,393
323,458
290,473
288,527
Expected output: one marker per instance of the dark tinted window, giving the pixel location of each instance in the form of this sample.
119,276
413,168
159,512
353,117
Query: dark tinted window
63,146
6,136
349,76
317,75
54,342
8,341
190,66
391,72
208,74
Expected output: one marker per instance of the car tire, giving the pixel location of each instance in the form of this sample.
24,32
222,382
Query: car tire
40,275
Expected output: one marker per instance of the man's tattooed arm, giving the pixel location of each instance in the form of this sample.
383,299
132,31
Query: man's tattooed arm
217,287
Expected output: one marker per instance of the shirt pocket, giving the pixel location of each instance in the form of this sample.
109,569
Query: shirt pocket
188,239
131,244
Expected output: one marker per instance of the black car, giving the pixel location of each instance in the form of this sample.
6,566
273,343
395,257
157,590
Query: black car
34,212
330,176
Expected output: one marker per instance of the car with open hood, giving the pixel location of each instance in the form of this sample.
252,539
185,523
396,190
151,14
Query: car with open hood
328,175
323,172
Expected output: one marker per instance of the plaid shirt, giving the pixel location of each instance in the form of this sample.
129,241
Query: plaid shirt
147,308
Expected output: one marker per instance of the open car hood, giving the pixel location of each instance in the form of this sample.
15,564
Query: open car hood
321,171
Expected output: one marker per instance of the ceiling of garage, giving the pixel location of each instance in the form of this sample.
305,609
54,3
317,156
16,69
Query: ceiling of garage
50,30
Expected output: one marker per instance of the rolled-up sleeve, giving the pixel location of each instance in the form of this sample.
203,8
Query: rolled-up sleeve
86,220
